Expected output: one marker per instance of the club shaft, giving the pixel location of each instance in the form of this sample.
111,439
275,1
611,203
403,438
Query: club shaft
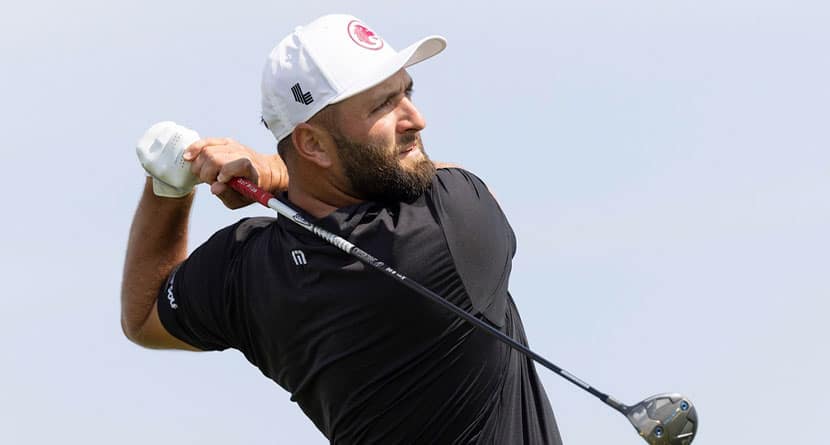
248,189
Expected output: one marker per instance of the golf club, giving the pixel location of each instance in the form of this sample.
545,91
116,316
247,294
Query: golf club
663,419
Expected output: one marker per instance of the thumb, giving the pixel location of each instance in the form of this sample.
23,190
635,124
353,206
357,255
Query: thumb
229,197
219,188
241,167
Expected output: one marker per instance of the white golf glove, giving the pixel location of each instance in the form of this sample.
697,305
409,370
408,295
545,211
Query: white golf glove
160,152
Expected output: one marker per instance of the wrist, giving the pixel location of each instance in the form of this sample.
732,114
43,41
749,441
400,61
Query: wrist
162,192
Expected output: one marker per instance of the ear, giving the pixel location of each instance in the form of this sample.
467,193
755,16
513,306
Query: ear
313,144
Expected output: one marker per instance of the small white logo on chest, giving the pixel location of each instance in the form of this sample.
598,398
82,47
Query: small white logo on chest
299,257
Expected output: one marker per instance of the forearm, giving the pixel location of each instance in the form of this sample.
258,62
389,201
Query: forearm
157,243
277,174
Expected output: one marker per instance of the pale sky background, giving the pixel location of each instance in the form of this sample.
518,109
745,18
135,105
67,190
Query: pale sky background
665,164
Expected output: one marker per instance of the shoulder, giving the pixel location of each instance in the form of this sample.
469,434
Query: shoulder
461,196
243,229
229,242
457,179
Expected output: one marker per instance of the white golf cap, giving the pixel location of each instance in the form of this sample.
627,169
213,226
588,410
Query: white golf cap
327,61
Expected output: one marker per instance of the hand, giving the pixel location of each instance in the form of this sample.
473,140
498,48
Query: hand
217,160
160,152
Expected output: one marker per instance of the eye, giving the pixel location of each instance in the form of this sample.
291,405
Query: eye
391,100
383,105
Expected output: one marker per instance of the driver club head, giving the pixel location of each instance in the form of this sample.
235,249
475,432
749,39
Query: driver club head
665,419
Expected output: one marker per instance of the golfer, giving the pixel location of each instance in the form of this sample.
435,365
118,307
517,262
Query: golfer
366,359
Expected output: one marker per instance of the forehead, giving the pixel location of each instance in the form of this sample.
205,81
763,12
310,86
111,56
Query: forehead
397,83
358,108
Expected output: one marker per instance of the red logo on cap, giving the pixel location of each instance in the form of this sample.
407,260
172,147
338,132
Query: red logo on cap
363,36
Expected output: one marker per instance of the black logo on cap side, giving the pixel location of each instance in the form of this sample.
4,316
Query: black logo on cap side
299,96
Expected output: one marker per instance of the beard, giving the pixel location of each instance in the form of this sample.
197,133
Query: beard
376,174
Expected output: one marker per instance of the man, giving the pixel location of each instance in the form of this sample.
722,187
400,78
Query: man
366,359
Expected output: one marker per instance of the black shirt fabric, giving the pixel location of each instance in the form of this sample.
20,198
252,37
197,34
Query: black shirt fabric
366,359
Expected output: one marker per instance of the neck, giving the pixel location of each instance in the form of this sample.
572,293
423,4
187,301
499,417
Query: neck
321,200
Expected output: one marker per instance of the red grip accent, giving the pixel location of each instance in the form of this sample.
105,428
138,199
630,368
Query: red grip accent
248,189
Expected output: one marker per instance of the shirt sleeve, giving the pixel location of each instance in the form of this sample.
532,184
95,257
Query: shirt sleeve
479,237
197,304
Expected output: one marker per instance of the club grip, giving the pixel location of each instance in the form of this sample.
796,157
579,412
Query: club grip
250,190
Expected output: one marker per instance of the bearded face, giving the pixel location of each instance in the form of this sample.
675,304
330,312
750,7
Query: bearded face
379,173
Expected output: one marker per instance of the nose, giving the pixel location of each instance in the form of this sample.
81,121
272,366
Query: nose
410,119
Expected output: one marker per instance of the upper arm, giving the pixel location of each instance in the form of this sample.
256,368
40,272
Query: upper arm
202,304
479,238
196,305
152,334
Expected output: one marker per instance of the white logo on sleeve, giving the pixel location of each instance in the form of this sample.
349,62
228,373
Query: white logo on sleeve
299,257
170,297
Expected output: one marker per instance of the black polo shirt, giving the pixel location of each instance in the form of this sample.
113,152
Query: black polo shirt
366,359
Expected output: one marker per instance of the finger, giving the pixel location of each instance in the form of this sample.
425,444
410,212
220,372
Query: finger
208,172
242,167
196,164
218,141
210,161
192,151
196,148
219,188
229,197
206,167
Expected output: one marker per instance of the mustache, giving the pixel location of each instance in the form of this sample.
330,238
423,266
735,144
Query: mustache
407,140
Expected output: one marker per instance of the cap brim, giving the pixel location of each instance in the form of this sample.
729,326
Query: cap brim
415,53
